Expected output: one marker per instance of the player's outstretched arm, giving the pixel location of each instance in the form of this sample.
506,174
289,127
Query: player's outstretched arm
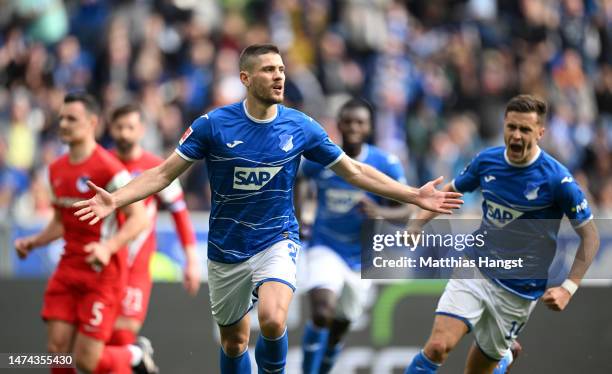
368,178
557,298
149,182
396,212
53,231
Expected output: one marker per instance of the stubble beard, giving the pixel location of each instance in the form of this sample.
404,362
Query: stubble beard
266,97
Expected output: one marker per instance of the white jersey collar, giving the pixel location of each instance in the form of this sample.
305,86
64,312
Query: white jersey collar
258,120
537,155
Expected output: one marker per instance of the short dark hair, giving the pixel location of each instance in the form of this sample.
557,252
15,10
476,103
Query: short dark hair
528,104
354,103
255,50
125,109
88,101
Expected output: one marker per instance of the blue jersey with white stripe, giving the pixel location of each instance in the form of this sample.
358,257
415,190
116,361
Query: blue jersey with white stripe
252,166
542,190
338,221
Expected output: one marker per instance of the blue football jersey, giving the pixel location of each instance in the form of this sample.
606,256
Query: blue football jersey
522,211
252,166
338,221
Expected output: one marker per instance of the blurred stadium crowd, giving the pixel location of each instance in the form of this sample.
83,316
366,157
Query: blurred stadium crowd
438,73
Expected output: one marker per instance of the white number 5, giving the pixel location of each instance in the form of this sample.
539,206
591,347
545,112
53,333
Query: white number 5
96,310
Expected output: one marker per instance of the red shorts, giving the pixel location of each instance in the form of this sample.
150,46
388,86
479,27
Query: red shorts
135,301
83,300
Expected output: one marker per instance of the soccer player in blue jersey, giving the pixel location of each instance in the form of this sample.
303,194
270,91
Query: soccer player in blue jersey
336,291
252,150
518,182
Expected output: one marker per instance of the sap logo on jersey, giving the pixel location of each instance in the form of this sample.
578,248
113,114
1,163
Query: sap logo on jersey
341,201
501,215
253,179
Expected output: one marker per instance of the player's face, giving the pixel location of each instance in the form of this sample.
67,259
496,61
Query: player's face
127,131
521,135
355,125
76,124
267,79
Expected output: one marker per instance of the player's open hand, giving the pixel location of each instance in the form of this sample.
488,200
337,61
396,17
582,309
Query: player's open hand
24,246
192,273
556,298
96,208
99,255
432,199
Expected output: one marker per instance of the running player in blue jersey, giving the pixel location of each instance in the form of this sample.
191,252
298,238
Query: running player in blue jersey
336,291
519,182
252,151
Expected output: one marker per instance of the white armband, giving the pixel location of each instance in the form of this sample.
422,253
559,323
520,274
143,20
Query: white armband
570,286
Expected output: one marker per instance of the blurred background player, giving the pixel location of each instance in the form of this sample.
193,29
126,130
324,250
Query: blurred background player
83,295
336,291
127,130
253,151
13,183
519,182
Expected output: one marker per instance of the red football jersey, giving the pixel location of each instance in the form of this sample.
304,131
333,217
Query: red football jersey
68,185
171,197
